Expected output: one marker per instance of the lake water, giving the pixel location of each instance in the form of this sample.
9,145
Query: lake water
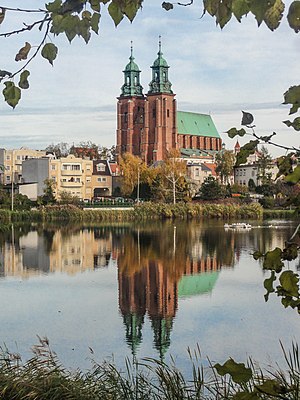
150,290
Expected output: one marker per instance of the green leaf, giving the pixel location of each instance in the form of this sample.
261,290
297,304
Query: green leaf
71,26
49,52
290,252
95,22
224,14
257,255
57,24
245,396
295,124
293,16
240,8
54,7
268,285
167,6
115,12
211,6
23,52
238,371
274,15
247,118
2,14
293,177
95,5
86,15
273,261
289,282
12,94
292,96
234,132
259,9
245,151
285,165
23,82
271,387
84,30
3,74
130,9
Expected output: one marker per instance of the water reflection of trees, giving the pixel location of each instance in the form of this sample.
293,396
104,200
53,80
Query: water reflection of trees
153,261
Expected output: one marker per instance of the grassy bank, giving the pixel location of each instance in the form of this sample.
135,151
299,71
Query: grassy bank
143,211
288,214
43,377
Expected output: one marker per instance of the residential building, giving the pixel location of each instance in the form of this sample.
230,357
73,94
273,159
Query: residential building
101,179
72,175
11,162
35,171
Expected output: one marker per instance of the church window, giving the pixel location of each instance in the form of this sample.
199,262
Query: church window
128,80
135,80
153,113
168,113
125,117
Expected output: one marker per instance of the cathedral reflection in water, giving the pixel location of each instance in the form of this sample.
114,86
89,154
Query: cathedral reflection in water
157,265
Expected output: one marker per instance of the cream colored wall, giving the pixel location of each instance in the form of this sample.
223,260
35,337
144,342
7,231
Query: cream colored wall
73,175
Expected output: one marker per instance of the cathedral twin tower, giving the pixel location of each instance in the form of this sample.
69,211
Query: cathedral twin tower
149,125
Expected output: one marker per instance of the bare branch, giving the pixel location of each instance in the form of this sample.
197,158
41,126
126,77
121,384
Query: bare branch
26,28
40,10
276,144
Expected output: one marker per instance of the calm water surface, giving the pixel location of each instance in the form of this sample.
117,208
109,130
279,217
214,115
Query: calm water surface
142,291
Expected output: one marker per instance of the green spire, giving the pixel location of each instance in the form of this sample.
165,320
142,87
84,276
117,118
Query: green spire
160,82
132,86
162,327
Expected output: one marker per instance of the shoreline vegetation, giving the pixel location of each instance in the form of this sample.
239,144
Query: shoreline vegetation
43,377
144,211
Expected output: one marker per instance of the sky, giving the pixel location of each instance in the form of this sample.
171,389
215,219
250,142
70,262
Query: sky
212,71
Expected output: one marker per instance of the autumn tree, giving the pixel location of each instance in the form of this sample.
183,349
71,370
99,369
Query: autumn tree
264,164
133,172
225,161
171,175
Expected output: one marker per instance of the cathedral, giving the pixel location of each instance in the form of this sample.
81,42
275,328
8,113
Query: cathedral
149,125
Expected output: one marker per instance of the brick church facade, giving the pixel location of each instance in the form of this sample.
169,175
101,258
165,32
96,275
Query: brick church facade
149,125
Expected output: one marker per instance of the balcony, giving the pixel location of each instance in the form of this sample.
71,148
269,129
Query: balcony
71,184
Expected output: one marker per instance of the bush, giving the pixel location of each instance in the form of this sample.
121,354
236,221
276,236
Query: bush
267,202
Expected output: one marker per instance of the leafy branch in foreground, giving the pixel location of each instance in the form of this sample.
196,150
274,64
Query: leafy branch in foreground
70,17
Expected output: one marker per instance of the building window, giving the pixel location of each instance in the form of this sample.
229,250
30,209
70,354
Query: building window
99,179
103,179
244,172
75,168
7,178
18,157
100,167
88,167
53,167
88,179
8,168
7,158
197,172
